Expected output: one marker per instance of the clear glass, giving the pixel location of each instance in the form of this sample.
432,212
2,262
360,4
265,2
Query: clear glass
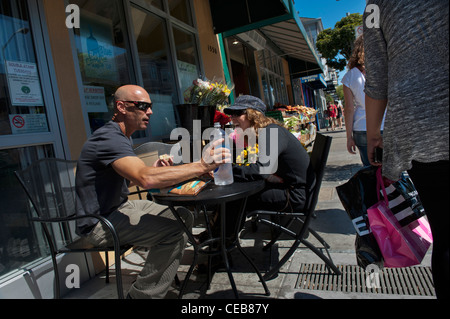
22,107
180,9
187,61
157,73
21,242
155,3
102,55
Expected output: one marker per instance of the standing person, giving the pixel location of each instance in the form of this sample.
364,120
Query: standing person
332,113
355,102
340,115
106,167
408,74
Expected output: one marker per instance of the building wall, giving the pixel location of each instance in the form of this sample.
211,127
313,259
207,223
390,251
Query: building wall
65,75
209,46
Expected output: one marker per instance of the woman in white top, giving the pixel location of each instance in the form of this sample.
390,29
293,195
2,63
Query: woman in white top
354,96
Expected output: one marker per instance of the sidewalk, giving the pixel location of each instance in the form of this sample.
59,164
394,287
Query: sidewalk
304,276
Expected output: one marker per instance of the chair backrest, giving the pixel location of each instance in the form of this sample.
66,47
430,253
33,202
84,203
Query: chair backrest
50,187
150,152
319,158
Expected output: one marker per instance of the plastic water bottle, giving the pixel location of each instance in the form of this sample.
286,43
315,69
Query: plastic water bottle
224,174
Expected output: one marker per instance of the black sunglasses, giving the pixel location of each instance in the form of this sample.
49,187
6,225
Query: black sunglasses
236,112
143,106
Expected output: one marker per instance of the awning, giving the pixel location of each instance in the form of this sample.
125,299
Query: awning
275,19
315,81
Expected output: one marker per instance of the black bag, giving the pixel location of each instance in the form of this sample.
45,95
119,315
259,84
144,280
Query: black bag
357,195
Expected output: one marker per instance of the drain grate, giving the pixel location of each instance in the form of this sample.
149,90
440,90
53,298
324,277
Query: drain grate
413,281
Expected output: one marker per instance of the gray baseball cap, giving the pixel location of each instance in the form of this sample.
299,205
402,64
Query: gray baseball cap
247,102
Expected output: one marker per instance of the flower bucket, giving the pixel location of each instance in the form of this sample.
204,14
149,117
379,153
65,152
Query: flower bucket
187,113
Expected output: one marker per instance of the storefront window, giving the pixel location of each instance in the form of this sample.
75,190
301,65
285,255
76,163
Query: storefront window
273,78
180,10
154,57
155,3
102,56
24,119
20,242
22,109
187,64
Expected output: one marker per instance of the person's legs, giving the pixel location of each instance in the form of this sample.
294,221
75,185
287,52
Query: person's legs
432,183
146,224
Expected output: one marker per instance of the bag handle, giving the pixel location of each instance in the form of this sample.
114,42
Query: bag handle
380,186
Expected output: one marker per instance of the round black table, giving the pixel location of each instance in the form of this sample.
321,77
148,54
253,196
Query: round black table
213,194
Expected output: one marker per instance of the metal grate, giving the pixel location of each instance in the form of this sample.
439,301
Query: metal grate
414,281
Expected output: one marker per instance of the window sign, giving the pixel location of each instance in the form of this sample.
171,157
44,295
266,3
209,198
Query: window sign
24,84
28,123
95,99
97,49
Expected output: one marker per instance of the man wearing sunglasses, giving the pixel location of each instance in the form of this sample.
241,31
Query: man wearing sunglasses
108,166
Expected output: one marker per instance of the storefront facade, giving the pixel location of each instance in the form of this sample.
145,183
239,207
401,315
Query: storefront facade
57,82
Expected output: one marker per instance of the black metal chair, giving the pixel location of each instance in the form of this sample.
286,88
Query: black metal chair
319,157
50,187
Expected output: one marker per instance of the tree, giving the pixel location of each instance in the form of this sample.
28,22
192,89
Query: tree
335,45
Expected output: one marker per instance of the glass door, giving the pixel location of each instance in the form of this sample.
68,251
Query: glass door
29,129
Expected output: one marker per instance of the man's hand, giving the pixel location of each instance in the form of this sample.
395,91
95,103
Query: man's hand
164,162
215,155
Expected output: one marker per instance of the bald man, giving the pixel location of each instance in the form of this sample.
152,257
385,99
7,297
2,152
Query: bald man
108,166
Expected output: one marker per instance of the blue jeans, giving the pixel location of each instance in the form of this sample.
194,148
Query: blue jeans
360,138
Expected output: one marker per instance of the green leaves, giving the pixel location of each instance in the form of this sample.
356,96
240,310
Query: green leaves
336,44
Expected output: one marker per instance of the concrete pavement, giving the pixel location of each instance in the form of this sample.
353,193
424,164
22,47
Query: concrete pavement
332,223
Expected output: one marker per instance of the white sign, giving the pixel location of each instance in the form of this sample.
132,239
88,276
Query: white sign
95,99
28,123
359,31
24,84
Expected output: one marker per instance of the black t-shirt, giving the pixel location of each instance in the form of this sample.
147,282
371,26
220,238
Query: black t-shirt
292,164
100,190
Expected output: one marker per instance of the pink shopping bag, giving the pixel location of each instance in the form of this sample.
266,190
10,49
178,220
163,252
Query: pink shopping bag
401,246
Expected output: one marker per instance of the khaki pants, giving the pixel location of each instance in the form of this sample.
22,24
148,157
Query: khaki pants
146,224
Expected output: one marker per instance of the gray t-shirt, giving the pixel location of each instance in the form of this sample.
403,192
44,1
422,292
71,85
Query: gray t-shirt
100,190
407,64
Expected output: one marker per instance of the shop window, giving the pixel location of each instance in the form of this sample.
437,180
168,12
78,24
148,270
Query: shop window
180,10
20,242
187,64
155,3
24,116
102,56
157,73
22,108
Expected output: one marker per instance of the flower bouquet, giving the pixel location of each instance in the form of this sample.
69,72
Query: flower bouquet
203,92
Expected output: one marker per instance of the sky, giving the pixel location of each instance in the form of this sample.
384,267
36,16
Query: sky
331,11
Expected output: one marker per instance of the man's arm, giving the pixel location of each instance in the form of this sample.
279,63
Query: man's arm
139,174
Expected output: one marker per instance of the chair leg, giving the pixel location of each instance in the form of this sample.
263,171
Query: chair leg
118,274
107,266
57,288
